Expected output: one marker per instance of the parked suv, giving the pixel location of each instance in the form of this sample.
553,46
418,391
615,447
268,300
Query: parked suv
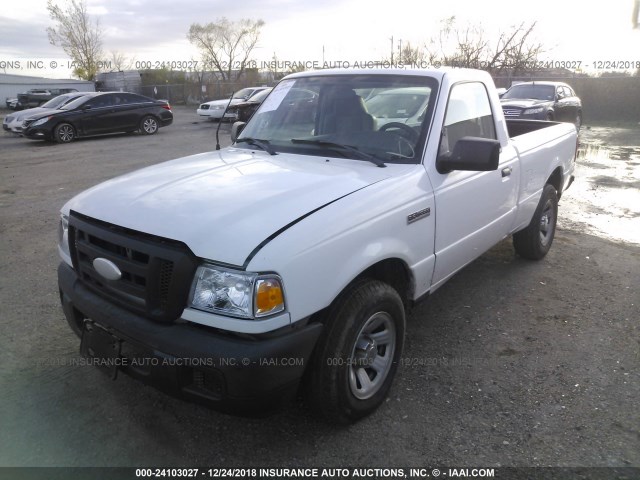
543,101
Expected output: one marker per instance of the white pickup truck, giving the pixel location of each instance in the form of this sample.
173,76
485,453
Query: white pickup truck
288,260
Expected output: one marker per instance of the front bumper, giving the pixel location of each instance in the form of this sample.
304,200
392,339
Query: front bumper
201,364
210,112
37,133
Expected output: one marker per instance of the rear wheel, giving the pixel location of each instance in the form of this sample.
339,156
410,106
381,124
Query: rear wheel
64,133
149,125
357,357
535,241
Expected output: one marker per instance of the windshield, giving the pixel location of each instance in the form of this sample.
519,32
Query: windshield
58,101
535,92
374,117
243,94
72,105
260,96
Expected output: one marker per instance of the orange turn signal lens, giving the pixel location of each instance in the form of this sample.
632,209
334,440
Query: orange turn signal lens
269,296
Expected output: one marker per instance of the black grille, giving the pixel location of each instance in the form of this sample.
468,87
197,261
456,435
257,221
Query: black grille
156,273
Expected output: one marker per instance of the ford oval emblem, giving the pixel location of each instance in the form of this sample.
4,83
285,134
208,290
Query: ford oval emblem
107,269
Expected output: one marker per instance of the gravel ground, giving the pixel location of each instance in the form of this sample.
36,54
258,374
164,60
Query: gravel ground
511,363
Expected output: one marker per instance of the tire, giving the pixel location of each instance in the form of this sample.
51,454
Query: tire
64,133
549,117
535,241
149,125
357,357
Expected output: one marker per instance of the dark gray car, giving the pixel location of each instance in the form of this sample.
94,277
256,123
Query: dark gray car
542,101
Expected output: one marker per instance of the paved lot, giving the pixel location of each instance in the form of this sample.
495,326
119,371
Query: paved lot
512,363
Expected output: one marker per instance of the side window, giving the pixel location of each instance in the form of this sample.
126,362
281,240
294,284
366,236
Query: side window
101,101
468,115
133,98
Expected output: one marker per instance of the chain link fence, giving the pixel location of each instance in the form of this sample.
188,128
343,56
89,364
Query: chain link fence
193,93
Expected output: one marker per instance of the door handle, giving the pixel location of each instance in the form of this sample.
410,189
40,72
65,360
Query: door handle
506,171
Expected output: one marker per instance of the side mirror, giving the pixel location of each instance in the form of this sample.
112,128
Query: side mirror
236,130
86,107
471,153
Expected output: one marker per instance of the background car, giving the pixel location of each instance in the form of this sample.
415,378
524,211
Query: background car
215,108
12,103
13,122
242,111
36,97
97,114
542,101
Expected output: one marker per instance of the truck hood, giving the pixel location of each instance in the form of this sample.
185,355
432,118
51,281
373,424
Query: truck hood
223,204
523,103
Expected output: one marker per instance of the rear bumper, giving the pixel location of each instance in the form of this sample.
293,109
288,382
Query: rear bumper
225,372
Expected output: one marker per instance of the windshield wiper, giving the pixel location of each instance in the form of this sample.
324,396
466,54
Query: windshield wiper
263,144
339,146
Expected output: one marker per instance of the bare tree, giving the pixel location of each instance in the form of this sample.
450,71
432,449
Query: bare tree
79,37
119,61
226,45
412,55
469,46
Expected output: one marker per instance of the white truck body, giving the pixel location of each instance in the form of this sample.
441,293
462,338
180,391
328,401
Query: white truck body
320,221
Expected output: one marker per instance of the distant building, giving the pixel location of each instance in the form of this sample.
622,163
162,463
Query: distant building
122,81
11,85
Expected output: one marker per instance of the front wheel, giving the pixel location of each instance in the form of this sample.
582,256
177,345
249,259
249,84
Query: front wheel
535,241
64,133
149,125
357,356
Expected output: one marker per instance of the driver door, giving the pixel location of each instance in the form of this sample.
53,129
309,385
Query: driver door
474,210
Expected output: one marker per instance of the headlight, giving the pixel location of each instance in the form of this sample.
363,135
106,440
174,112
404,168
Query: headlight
63,234
531,111
236,293
40,122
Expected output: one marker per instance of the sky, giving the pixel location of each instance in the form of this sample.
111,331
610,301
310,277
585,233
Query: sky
322,30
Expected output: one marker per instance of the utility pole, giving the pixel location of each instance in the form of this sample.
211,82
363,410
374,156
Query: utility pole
391,48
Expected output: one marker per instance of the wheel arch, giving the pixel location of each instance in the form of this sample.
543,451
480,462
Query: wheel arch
392,271
556,179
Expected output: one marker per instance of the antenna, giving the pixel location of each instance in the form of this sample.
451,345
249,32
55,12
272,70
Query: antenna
220,122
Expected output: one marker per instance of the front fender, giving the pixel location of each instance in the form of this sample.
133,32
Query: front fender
320,255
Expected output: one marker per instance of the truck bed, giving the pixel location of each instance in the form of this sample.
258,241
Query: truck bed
521,127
